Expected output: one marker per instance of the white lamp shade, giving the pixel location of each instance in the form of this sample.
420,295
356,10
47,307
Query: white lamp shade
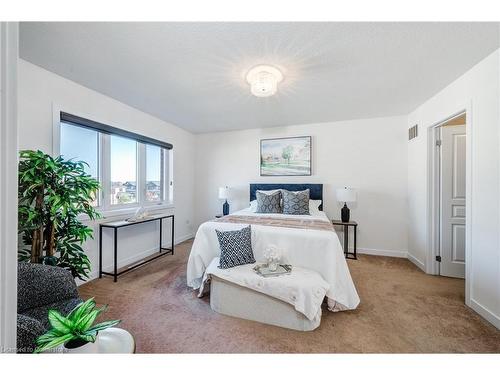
224,193
346,195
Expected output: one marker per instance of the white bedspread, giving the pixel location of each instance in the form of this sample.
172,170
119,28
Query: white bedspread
302,288
317,250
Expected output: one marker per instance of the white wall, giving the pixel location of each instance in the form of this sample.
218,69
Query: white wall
367,154
40,90
9,43
478,89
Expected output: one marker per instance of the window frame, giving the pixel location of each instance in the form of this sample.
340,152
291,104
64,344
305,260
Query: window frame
104,172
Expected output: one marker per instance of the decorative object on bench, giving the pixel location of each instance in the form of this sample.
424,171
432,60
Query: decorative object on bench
265,271
115,225
224,193
53,192
273,255
346,195
75,332
235,247
40,288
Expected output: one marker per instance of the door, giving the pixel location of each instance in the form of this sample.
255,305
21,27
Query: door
452,197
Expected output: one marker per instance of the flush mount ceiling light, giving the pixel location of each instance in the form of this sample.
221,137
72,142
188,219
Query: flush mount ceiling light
263,80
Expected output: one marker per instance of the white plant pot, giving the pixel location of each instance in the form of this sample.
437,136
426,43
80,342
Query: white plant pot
88,348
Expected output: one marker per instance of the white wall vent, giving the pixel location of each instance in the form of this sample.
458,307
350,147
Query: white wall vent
413,132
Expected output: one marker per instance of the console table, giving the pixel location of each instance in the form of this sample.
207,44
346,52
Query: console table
115,225
346,226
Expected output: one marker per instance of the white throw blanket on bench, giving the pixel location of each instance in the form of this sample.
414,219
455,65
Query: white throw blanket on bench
304,289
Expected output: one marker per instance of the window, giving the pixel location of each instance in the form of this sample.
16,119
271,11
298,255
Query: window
81,144
123,170
133,170
154,173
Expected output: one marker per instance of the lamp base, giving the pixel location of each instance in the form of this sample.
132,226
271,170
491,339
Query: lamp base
225,208
345,214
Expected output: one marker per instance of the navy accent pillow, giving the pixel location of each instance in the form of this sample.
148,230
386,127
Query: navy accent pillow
235,247
268,203
296,202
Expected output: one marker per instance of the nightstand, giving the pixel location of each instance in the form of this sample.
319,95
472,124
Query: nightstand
346,226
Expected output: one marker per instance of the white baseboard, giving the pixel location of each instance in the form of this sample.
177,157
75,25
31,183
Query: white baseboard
132,259
485,313
382,252
416,262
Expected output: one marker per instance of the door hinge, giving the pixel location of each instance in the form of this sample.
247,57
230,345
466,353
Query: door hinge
438,258
438,142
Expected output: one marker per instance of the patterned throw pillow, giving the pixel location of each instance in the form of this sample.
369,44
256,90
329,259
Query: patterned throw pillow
296,202
268,203
235,247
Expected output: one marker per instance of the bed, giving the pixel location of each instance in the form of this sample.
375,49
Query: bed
309,241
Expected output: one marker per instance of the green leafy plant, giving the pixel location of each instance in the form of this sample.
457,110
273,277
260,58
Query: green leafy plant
53,192
76,327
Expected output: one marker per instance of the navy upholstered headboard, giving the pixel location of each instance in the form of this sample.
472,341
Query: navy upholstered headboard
315,190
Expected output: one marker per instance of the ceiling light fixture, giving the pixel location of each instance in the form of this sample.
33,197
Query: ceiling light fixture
263,80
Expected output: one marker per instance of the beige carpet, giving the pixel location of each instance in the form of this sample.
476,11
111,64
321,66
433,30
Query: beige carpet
402,310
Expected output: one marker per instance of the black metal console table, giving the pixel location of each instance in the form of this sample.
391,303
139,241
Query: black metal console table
346,226
115,225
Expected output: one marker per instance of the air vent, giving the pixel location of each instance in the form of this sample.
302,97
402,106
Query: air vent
413,132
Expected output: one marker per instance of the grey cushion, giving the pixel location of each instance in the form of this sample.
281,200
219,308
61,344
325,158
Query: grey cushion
40,288
268,203
296,202
41,313
28,330
40,285
235,247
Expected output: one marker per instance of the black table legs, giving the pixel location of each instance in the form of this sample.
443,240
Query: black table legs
162,251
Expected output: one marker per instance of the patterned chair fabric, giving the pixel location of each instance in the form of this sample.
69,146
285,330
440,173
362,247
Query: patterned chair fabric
296,202
269,203
235,247
40,288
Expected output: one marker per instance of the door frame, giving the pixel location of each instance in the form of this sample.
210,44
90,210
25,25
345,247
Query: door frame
9,37
433,178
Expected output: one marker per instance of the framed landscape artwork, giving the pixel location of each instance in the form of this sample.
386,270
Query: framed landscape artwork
285,156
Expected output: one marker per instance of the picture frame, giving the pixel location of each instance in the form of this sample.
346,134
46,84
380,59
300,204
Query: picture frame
287,156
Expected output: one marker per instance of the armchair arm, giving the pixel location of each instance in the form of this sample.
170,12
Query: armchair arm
40,285
28,330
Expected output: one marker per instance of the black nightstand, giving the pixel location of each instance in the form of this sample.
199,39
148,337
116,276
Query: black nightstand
346,226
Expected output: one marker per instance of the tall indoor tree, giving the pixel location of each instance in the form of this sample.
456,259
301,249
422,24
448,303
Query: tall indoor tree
53,192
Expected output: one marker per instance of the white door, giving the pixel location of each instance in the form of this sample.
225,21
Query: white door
452,210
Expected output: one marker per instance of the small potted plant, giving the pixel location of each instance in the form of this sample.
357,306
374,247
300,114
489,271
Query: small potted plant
75,332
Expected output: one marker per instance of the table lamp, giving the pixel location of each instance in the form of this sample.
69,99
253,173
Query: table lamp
224,194
346,195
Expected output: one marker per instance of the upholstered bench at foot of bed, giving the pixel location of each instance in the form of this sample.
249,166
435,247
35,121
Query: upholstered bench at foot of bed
234,300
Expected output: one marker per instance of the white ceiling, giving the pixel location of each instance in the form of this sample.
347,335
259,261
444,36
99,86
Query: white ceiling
192,74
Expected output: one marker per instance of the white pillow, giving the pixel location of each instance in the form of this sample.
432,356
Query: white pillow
253,205
269,191
314,205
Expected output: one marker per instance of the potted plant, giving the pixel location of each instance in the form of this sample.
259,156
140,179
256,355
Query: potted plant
75,332
53,192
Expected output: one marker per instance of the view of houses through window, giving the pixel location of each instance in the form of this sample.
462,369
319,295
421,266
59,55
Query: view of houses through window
135,173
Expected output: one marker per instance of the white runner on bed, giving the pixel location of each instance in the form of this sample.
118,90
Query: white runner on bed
317,250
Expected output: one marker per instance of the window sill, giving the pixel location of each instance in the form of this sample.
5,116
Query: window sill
128,211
